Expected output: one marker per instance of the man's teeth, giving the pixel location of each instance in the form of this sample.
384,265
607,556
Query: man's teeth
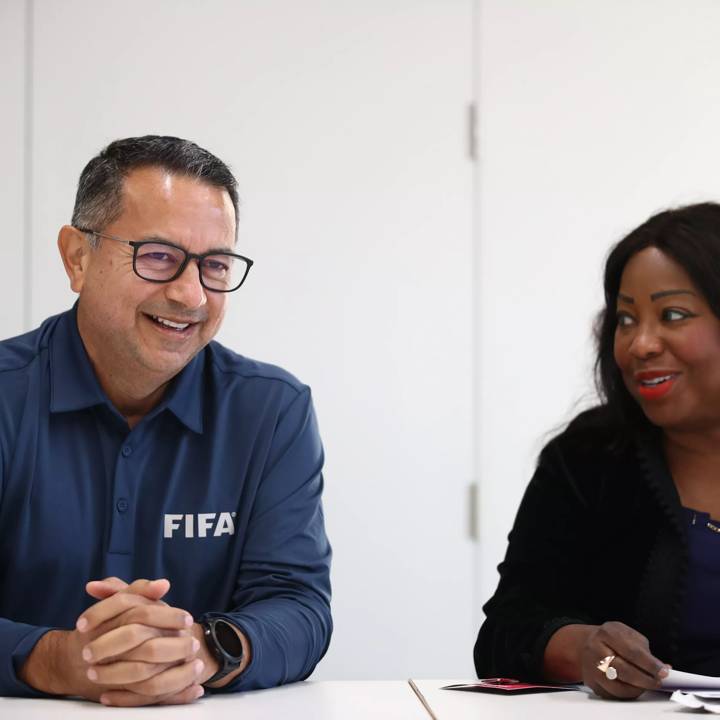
656,381
170,323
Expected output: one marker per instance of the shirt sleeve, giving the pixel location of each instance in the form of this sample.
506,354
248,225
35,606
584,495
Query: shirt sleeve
282,597
17,641
539,590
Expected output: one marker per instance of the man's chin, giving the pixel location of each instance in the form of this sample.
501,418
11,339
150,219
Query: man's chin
165,364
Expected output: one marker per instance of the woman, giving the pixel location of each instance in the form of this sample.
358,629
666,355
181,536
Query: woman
612,572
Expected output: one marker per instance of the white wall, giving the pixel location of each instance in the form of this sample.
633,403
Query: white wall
593,115
345,125
12,179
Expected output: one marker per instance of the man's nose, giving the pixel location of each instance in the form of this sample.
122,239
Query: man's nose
187,288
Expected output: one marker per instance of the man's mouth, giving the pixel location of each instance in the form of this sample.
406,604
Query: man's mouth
173,325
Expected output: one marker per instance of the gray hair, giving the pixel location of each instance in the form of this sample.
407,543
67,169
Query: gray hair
98,201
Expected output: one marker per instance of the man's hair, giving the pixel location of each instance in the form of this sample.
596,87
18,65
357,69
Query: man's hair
98,201
688,235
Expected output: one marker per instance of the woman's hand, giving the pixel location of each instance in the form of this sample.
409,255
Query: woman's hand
636,667
575,651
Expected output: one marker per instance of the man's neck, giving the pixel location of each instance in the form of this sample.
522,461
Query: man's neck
131,399
133,393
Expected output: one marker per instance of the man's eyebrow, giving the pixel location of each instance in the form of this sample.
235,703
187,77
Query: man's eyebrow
626,298
164,240
665,293
157,238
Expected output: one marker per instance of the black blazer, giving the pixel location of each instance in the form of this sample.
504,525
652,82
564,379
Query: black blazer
598,536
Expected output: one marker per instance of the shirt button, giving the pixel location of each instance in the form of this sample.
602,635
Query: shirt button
126,451
122,505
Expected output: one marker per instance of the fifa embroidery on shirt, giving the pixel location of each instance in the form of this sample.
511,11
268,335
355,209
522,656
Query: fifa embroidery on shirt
199,525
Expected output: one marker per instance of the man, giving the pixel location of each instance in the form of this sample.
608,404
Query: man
132,447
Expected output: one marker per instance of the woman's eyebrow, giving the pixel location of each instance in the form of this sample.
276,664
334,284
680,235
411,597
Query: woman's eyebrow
625,298
665,293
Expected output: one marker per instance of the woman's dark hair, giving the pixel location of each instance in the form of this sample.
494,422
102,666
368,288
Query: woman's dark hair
688,235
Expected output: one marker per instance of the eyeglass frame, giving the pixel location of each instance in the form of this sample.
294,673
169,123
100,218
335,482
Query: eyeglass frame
135,244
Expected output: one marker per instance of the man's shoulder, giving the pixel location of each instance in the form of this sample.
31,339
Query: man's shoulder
232,367
18,353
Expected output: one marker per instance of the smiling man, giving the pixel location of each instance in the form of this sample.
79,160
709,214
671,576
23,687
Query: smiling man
161,527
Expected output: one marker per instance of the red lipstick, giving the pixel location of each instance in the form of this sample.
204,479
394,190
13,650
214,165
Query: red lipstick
655,384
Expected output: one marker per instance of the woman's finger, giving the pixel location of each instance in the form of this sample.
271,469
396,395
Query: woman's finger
608,668
633,647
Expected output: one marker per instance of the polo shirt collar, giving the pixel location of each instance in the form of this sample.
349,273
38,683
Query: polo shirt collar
185,395
74,385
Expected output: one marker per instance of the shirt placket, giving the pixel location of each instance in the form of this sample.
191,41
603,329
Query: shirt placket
121,549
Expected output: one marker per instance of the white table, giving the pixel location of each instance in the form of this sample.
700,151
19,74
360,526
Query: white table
329,700
565,705
352,700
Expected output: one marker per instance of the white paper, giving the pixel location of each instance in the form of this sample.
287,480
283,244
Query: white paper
678,680
709,700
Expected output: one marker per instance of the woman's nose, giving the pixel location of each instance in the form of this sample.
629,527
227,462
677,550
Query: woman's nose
647,342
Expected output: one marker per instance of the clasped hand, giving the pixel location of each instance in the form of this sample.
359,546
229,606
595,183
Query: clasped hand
130,648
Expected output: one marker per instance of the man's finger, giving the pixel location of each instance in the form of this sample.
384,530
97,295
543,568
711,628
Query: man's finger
101,589
126,698
164,650
151,589
108,609
170,681
124,673
118,642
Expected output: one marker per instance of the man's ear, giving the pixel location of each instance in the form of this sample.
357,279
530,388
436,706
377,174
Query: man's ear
75,253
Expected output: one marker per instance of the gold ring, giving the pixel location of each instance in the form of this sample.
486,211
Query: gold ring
605,667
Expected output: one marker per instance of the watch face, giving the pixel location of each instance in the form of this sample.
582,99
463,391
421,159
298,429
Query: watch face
228,639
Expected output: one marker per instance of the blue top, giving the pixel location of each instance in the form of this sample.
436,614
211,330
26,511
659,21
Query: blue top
217,489
700,620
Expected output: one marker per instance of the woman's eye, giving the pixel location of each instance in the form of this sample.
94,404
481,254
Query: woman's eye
624,320
673,315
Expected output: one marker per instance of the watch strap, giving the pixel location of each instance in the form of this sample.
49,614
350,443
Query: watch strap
227,662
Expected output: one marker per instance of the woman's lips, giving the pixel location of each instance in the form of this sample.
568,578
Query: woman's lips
652,385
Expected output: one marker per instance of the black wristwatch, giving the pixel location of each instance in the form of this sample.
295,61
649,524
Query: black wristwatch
224,644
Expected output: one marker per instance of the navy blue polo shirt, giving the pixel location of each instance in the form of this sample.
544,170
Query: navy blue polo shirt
217,489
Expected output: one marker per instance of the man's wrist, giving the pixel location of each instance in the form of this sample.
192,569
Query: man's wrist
211,663
44,668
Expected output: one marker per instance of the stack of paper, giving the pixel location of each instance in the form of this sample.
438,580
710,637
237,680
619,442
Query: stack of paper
699,692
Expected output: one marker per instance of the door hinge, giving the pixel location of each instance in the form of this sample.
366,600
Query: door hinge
472,515
472,134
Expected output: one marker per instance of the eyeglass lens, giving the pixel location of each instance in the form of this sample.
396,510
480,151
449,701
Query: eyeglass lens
161,262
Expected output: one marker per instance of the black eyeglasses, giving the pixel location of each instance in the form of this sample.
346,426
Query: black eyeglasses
161,262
